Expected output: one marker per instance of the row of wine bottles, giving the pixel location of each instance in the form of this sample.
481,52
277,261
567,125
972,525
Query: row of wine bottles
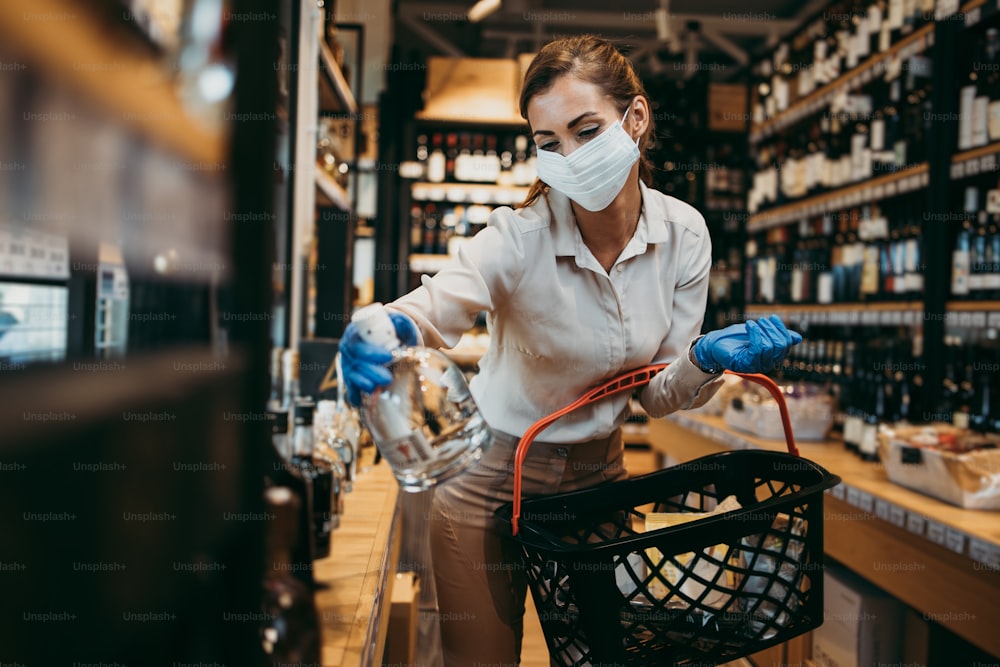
312,462
855,255
878,376
506,159
876,129
835,41
435,227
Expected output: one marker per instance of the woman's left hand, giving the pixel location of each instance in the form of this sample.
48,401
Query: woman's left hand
748,347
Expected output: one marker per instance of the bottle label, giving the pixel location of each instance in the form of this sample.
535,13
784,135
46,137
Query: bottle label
980,120
410,450
960,272
993,124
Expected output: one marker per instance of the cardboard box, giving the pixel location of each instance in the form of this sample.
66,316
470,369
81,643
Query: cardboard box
862,625
401,636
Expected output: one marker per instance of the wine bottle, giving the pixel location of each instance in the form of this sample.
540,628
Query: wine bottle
436,161
290,628
319,473
960,257
282,473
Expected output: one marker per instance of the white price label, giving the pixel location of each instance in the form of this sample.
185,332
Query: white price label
957,171
879,192
925,178
946,8
988,162
972,167
915,523
891,188
979,319
896,317
936,532
839,491
972,16
853,496
853,317
994,317
882,509
954,540
985,554
866,502
897,516
911,318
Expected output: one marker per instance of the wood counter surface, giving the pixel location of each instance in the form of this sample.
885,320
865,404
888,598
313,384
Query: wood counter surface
942,560
358,574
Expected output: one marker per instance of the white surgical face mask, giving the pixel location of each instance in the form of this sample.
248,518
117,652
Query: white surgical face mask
594,173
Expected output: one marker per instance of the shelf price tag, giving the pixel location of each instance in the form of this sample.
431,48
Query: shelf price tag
986,555
915,523
879,192
945,8
971,167
890,188
957,170
853,496
882,510
994,317
897,516
838,492
954,540
866,502
936,532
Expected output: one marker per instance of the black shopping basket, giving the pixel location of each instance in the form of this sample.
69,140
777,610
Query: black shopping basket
716,588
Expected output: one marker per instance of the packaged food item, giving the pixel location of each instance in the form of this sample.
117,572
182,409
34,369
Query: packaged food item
776,582
704,566
755,411
955,465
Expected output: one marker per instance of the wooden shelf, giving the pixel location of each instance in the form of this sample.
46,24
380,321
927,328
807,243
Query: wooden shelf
335,92
468,193
125,80
331,193
889,313
889,185
821,98
963,306
974,161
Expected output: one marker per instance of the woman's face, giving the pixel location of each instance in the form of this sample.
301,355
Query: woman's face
572,112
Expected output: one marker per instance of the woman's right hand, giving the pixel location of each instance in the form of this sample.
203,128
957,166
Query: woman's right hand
364,364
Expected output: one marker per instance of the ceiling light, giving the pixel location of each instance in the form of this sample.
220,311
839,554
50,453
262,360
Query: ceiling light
482,9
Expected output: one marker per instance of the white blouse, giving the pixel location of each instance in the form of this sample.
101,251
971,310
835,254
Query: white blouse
559,324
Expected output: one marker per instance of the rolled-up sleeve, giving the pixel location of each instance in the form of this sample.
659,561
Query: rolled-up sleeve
683,385
483,273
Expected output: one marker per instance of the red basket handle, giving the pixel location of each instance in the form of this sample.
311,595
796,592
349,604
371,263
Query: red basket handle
626,382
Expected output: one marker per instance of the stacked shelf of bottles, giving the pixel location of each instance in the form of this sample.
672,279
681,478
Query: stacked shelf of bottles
862,254
824,140
460,176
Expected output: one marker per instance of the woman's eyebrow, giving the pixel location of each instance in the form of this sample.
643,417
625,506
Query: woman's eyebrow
569,125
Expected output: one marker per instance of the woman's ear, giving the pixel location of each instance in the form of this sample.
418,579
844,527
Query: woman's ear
638,117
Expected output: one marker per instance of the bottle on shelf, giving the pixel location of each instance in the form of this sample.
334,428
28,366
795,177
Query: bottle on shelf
290,378
283,473
436,161
319,472
425,423
275,399
961,255
290,629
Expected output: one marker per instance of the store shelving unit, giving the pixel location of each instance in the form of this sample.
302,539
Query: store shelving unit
119,155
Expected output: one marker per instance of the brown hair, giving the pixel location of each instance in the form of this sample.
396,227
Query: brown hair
596,61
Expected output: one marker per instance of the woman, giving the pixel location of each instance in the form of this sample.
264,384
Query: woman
593,275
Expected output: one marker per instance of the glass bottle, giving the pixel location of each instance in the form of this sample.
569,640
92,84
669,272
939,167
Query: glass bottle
320,474
290,631
425,423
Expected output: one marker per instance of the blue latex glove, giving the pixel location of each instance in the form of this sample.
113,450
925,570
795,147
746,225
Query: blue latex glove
750,347
364,364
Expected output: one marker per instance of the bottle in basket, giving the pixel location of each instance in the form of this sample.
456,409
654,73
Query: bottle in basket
425,423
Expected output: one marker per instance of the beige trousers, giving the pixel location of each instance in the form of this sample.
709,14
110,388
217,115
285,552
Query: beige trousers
480,585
